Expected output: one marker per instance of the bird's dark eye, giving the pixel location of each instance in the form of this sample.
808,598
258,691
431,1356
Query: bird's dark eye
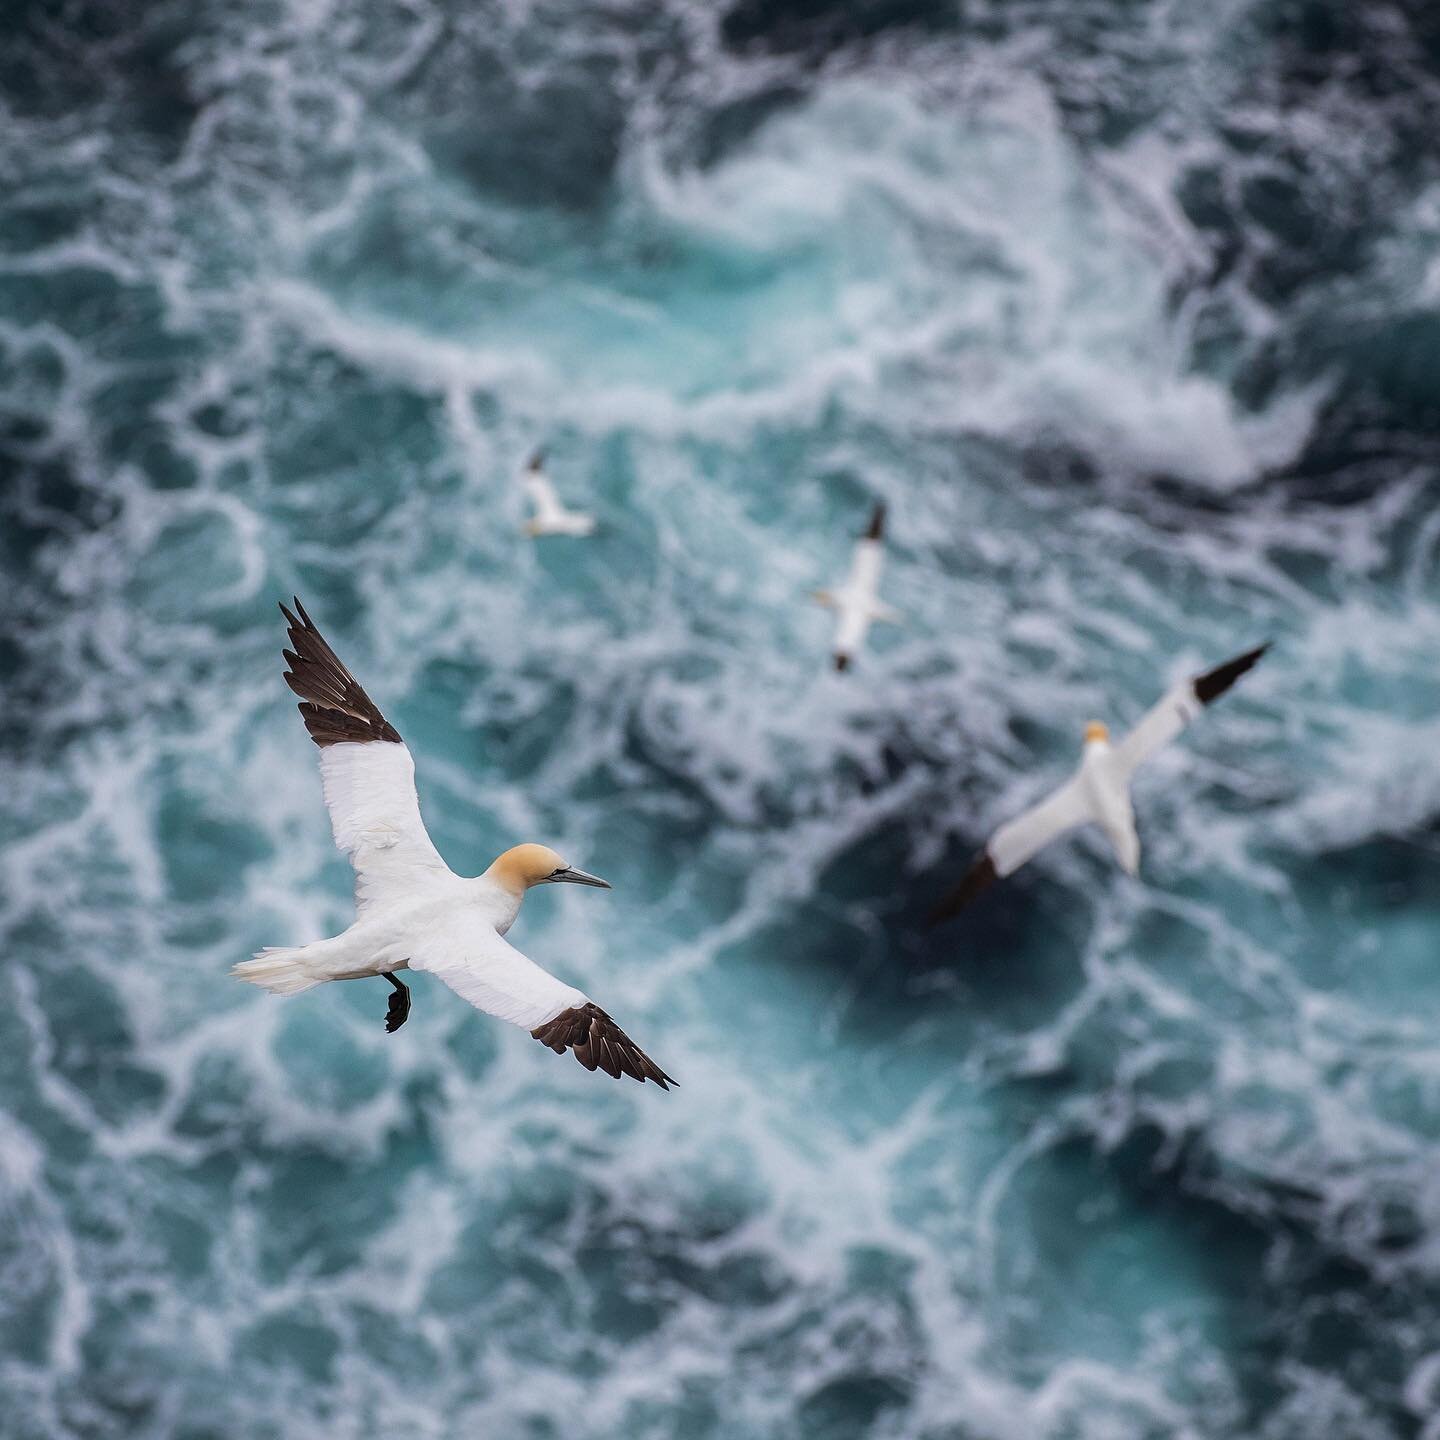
558,870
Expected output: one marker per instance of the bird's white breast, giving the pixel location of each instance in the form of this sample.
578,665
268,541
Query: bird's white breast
1105,785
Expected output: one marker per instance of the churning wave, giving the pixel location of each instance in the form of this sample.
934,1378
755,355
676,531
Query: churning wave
1132,315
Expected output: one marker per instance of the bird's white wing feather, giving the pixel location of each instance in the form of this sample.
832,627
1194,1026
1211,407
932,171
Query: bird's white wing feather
375,817
856,604
866,562
546,502
482,967
1017,840
852,623
367,772
1178,707
1157,727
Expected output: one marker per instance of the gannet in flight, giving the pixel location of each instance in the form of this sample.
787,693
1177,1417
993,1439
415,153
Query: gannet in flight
857,602
412,910
1099,791
550,517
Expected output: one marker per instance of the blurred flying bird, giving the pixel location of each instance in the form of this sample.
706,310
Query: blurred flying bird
412,911
1099,791
857,604
550,517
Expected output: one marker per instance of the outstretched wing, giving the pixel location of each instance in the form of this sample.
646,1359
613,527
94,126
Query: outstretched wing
598,1041
977,879
1177,708
1018,839
367,773
1014,843
545,504
484,968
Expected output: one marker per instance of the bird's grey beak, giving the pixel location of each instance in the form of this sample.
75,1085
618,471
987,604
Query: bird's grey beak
579,877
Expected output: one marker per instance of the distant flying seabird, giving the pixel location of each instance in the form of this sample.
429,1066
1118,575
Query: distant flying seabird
1099,791
412,911
549,516
857,604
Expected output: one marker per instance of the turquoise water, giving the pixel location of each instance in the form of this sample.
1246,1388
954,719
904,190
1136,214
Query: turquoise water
1130,312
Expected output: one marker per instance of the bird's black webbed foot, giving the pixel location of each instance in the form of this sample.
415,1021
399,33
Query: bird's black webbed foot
399,1009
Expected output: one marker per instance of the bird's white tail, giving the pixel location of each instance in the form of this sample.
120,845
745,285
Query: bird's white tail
281,971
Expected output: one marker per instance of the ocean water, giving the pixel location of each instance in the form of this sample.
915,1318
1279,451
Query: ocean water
1129,311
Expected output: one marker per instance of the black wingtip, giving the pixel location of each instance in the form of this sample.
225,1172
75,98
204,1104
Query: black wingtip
597,1042
335,708
536,460
1214,683
979,877
877,522
842,662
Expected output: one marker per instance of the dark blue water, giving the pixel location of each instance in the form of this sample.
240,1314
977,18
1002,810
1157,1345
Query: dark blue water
1131,313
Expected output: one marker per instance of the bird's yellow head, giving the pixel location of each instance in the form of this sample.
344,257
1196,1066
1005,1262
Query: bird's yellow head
1096,731
525,865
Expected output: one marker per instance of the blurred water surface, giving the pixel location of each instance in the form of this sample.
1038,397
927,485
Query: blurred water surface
1131,311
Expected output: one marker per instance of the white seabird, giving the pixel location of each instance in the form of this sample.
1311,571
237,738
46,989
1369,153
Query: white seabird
412,911
857,604
549,515
1099,791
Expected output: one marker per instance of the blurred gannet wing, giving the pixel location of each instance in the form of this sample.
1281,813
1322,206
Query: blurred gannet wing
542,496
547,510
1014,843
1177,708
367,772
866,558
1018,839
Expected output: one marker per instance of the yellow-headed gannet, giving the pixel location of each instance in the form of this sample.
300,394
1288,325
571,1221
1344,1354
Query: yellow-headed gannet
1099,791
550,517
412,910
857,604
